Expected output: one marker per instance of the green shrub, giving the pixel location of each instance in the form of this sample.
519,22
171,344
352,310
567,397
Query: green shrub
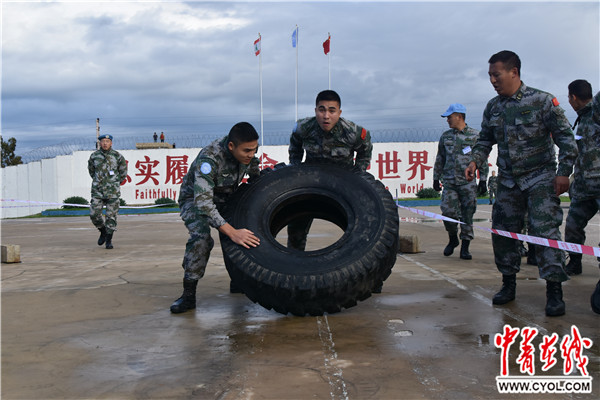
122,203
74,200
165,200
427,193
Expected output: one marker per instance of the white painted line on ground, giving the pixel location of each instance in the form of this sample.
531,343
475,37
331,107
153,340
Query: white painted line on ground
332,368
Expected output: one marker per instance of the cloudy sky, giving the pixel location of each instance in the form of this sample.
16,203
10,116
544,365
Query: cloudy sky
190,68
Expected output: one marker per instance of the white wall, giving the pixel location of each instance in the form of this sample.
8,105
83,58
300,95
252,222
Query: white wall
404,168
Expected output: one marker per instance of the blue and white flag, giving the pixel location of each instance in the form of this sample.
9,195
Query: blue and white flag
295,37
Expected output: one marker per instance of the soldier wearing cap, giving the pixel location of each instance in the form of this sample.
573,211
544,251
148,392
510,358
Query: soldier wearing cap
108,169
526,124
459,197
214,175
585,189
330,137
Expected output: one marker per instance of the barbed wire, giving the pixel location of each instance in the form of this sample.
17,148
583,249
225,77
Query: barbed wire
201,140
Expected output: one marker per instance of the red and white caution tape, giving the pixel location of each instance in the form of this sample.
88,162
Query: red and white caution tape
557,244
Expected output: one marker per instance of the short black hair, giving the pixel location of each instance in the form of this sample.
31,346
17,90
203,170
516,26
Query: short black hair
328,95
509,58
242,132
582,89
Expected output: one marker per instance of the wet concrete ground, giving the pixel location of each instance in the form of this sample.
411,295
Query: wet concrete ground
82,322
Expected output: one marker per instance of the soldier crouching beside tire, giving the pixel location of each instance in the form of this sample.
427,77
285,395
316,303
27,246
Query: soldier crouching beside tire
214,175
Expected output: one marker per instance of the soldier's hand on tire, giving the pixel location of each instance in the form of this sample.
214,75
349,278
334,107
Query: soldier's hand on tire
245,238
436,185
242,237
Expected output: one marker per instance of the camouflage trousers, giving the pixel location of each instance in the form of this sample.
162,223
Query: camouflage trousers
492,194
298,232
459,202
544,219
197,249
112,209
583,208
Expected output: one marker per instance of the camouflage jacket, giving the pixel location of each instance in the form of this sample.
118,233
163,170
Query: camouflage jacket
213,176
526,126
454,155
107,169
587,137
339,144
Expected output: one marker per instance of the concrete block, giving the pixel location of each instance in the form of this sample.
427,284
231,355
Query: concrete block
11,253
409,244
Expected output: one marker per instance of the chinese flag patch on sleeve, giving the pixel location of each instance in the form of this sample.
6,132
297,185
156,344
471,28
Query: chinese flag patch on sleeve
555,102
363,134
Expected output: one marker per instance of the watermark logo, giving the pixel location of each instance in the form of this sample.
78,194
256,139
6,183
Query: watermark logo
575,377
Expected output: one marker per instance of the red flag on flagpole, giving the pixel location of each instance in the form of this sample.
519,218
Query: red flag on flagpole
257,46
326,45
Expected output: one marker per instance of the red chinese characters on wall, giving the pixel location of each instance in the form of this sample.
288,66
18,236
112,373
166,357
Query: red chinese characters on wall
177,167
388,166
146,170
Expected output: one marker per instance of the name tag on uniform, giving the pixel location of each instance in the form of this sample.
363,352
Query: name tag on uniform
111,172
467,150
577,137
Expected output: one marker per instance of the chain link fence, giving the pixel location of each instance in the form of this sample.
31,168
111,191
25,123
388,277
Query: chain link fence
201,140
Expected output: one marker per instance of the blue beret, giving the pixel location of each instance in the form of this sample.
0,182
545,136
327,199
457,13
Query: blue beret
105,136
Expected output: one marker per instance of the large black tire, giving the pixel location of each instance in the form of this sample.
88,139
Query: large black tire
325,280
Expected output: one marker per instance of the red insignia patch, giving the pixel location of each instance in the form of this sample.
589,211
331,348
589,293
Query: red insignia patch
555,102
363,134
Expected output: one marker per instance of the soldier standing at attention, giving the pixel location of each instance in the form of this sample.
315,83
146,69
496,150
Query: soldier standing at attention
108,169
492,186
525,123
459,198
585,189
214,175
326,136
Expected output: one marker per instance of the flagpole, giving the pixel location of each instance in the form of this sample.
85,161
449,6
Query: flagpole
329,59
261,102
296,94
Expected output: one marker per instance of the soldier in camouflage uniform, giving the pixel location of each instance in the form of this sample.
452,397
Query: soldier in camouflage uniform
525,123
585,189
326,136
214,175
492,186
459,198
595,299
108,168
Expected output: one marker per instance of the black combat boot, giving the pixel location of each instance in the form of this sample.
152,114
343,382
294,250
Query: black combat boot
507,292
102,237
464,250
555,305
109,241
452,244
574,265
187,301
